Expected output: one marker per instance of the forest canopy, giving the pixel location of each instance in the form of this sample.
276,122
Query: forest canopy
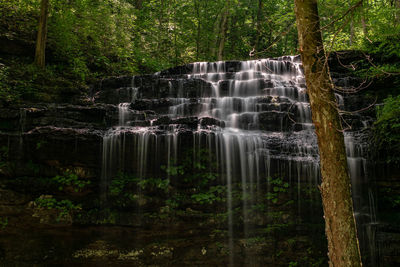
89,39
125,36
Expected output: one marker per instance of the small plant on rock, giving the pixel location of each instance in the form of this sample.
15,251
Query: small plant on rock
70,180
63,207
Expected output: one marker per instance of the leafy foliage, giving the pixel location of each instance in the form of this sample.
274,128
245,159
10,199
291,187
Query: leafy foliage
70,179
197,168
3,222
214,194
277,186
387,129
390,197
64,207
121,183
91,39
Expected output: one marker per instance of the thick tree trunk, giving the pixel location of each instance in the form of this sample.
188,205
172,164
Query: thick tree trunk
40,52
340,225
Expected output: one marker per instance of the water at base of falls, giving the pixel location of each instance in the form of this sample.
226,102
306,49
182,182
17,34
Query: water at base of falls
255,123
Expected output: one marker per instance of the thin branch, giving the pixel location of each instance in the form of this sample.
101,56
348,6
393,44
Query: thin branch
276,40
350,10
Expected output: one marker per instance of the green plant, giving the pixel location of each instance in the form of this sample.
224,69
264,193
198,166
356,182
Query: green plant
214,194
196,169
40,144
172,203
154,183
70,179
390,196
173,170
387,129
35,168
64,207
122,183
3,222
278,186
275,228
260,207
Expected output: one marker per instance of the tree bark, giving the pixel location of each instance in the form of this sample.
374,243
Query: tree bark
364,19
40,51
351,38
335,188
138,4
258,25
397,12
197,8
223,30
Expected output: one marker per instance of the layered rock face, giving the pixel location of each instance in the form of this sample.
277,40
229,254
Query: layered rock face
234,140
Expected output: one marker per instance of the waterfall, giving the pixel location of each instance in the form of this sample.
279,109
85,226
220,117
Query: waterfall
255,119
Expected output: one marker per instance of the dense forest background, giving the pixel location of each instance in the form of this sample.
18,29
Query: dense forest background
89,42
91,39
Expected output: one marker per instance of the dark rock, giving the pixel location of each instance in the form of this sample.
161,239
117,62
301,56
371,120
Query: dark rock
162,121
155,105
207,121
274,121
189,121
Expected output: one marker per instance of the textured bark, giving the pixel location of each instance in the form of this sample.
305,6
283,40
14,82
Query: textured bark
40,52
351,27
340,225
223,30
364,19
258,25
139,4
197,7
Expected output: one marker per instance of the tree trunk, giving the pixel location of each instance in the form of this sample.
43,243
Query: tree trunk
258,25
197,7
397,12
364,20
40,52
351,32
340,225
351,38
223,29
138,4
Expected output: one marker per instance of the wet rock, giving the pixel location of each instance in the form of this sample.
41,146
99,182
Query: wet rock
151,105
185,69
189,121
164,120
9,197
274,121
207,121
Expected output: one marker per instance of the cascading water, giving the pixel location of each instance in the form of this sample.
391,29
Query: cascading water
256,120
